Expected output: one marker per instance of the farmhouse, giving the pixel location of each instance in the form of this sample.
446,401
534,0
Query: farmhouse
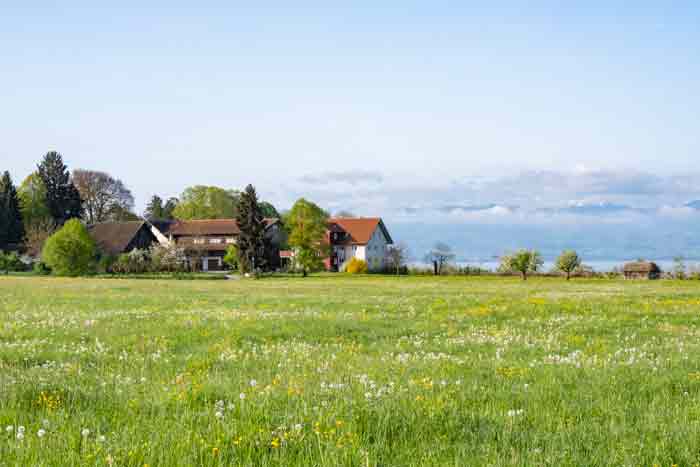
115,238
365,238
642,270
205,241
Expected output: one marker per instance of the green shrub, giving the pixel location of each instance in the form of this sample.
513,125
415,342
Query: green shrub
356,266
231,258
106,264
40,268
10,262
70,251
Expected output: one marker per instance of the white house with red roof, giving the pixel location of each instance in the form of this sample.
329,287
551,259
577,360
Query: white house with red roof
365,238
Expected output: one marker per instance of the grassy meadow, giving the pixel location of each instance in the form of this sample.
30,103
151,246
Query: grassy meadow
349,371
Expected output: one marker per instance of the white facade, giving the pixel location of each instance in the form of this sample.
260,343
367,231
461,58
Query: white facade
374,253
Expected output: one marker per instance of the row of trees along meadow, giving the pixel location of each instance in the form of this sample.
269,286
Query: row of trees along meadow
52,196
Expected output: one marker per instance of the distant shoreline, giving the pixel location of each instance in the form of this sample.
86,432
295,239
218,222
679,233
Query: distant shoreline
597,265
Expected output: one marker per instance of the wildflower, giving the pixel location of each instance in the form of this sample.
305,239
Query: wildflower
102,438
230,406
219,415
275,443
45,423
85,432
9,428
253,383
515,413
298,427
41,433
215,451
20,435
20,429
242,396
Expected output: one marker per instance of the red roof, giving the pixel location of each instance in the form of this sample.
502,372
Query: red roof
360,229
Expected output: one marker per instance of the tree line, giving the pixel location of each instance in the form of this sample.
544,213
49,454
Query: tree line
48,213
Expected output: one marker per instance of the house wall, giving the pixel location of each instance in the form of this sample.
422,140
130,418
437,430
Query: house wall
375,251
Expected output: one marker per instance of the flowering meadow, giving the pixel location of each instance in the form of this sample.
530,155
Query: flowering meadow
349,371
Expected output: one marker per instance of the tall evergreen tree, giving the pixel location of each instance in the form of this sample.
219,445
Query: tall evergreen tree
156,210
62,197
11,226
251,240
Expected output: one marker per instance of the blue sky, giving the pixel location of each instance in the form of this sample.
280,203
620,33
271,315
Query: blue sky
389,109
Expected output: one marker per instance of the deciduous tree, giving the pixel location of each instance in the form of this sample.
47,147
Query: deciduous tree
206,202
70,251
104,197
440,255
396,256
522,261
307,225
32,198
568,262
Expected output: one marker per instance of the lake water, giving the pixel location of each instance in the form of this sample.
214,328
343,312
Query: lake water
598,266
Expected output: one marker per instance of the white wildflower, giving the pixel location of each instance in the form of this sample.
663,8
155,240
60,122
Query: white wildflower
41,433
20,436
253,383
242,396
102,438
85,432
10,428
219,415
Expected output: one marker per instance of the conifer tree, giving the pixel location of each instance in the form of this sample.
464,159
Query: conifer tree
251,240
62,197
11,226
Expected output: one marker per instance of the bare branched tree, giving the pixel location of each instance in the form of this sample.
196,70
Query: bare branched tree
397,256
105,198
440,255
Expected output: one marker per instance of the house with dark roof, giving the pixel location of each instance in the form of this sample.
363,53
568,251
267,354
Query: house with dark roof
115,238
365,238
641,270
205,241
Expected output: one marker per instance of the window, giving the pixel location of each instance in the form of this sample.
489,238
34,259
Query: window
230,240
198,241
214,240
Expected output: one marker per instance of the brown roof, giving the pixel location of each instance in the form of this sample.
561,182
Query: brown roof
206,227
360,229
642,267
113,238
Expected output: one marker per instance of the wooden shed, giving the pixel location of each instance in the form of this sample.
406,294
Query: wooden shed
644,270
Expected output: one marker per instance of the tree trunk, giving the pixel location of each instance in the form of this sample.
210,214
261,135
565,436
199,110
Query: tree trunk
435,268
524,273
303,272
568,275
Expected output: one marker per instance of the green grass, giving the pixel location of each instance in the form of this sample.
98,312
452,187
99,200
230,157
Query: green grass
351,371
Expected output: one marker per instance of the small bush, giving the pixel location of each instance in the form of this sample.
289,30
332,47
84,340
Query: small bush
106,264
167,258
356,266
70,251
42,269
10,262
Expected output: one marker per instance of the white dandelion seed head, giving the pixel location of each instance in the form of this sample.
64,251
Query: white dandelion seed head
242,396
20,429
41,433
20,436
253,383
85,432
